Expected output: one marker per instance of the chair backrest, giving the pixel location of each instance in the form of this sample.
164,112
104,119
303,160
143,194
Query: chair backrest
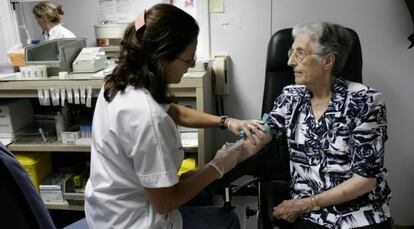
274,172
21,206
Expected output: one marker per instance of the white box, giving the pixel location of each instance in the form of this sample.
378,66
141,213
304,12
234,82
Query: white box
70,137
52,188
14,116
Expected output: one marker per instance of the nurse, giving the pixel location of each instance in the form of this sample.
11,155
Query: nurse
49,18
136,150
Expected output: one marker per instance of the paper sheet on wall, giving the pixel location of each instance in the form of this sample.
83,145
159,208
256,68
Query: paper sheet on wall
115,11
217,6
188,6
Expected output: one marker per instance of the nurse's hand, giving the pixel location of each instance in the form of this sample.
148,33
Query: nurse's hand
261,138
227,157
244,127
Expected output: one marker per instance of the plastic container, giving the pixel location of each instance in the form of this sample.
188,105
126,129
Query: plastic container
188,164
60,125
33,72
110,31
58,54
17,58
38,166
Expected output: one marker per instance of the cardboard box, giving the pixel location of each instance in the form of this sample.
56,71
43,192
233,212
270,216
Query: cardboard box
38,166
14,116
70,137
17,58
52,188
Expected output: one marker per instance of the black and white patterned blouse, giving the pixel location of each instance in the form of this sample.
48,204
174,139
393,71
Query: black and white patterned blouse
348,138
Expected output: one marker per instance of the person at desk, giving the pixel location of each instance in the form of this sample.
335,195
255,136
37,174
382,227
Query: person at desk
49,18
336,131
136,150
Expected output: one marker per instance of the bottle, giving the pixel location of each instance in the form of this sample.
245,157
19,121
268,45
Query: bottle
60,125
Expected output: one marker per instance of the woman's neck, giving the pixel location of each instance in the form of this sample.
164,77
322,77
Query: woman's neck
49,26
323,90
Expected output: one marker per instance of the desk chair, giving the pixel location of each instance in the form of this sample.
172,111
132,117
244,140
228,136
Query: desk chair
21,206
271,165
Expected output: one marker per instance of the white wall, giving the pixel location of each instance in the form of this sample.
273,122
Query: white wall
3,51
242,31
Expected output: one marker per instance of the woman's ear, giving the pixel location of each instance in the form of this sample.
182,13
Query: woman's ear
329,61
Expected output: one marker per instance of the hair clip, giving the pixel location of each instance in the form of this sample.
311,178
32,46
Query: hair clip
140,21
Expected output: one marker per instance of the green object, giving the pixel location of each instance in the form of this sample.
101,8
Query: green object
265,118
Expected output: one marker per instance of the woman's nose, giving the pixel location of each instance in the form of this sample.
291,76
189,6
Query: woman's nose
291,61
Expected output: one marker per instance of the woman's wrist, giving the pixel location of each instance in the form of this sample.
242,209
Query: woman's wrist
228,123
312,204
222,122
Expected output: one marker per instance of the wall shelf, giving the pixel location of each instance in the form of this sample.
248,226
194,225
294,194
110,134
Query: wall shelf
195,86
65,206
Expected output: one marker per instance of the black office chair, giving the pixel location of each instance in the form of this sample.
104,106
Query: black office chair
271,165
21,206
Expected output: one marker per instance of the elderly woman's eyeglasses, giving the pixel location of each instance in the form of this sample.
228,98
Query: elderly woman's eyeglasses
190,63
299,54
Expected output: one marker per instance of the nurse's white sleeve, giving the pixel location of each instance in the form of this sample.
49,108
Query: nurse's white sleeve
158,153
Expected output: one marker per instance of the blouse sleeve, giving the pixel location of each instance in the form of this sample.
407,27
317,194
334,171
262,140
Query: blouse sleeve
278,115
369,135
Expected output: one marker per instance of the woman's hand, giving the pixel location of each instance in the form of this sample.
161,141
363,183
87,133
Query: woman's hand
247,126
290,210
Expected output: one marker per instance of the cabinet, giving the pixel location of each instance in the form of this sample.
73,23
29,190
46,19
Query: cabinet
195,86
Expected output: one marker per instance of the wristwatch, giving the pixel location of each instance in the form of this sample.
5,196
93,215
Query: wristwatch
221,122
316,206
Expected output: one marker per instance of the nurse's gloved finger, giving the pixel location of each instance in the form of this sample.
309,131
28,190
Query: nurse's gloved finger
256,124
247,131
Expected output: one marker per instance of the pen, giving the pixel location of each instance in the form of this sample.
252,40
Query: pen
42,134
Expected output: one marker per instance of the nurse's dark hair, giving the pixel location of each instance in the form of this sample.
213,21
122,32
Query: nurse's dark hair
48,11
328,38
167,32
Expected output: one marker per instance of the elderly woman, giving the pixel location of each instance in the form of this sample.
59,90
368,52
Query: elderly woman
336,131
49,18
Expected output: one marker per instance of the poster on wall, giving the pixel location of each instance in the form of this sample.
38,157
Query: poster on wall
115,11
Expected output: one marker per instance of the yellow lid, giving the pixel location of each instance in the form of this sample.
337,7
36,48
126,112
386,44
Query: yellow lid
188,164
29,158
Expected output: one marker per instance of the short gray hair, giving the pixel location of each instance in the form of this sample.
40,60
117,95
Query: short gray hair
327,38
